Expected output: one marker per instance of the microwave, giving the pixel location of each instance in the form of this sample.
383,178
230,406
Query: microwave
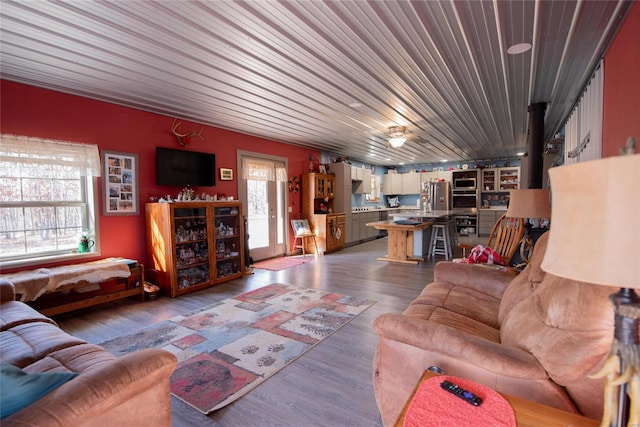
464,184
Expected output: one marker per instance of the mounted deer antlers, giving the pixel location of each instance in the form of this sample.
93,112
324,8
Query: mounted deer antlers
185,138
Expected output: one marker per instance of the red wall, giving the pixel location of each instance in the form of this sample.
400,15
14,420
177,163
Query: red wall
31,111
621,117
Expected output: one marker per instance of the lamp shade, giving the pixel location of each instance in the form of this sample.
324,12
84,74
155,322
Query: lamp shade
595,223
530,203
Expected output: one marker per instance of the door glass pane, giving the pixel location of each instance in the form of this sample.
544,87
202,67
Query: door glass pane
280,215
258,214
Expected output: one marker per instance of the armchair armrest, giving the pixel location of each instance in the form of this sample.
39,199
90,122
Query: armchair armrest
487,280
491,356
130,390
7,291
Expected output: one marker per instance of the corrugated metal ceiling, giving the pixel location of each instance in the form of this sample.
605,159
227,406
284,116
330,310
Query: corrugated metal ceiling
288,70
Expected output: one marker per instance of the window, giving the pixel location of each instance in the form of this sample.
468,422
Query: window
374,196
48,199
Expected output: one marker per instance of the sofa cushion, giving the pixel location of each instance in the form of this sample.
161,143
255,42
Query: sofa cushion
26,343
16,313
456,300
78,358
20,389
526,282
567,325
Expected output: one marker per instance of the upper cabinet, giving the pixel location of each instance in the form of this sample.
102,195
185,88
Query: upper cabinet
392,184
500,179
402,183
362,185
318,192
411,183
509,178
321,185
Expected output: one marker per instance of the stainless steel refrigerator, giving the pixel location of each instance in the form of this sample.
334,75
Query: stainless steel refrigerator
439,195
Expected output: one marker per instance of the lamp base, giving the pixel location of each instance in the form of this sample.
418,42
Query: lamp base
622,368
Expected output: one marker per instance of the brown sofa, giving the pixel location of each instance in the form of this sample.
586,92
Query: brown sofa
535,336
109,391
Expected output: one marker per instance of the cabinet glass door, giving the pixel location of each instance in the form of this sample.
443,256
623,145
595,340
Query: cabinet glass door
228,235
330,184
191,246
320,186
488,180
509,179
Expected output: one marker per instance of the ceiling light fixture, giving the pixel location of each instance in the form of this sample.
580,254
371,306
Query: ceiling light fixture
397,136
519,48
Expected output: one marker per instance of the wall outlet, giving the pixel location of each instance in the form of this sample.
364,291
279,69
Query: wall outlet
290,209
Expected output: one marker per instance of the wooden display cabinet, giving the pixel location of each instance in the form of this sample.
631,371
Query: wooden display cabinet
193,245
318,192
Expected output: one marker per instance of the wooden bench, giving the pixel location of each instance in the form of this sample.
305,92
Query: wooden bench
72,294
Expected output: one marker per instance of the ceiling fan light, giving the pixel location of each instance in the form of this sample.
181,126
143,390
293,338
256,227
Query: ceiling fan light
397,141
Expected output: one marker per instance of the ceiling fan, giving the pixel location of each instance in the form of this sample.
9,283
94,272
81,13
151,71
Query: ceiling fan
398,135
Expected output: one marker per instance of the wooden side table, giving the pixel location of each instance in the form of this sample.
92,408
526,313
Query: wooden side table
528,413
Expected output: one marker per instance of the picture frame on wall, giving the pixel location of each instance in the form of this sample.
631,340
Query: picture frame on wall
226,174
119,183
322,169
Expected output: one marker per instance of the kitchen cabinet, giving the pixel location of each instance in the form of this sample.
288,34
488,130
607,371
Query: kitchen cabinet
411,183
362,185
466,224
355,227
342,200
330,232
487,219
402,183
321,185
357,174
508,178
335,232
318,193
392,184
342,196
500,179
193,245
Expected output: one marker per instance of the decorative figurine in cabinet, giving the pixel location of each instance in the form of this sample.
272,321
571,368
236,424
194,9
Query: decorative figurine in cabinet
193,245
228,241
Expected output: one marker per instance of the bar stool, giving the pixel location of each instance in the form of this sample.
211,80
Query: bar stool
440,243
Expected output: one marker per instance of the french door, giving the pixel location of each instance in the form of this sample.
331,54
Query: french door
262,190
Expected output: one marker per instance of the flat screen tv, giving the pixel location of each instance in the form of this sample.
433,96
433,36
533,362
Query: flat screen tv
181,167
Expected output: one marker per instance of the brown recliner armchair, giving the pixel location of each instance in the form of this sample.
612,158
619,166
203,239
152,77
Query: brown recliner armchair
535,336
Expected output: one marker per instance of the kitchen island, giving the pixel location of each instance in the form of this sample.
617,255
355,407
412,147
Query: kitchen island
400,243
422,237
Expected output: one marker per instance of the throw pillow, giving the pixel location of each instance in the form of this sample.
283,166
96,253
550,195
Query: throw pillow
20,389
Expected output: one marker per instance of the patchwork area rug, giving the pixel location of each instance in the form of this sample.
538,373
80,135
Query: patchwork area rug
281,263
227,349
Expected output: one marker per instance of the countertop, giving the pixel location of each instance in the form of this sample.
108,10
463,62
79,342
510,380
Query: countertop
423,214
366,209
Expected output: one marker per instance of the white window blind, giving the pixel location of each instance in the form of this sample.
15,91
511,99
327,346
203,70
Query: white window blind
83,158
261,170
583,129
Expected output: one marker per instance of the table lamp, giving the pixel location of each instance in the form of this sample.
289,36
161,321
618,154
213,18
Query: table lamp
529,203
595,238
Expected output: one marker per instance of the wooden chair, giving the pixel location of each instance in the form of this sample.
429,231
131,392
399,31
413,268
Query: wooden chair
302,230
505,237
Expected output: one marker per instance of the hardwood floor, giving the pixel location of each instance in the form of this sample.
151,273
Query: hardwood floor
330,385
